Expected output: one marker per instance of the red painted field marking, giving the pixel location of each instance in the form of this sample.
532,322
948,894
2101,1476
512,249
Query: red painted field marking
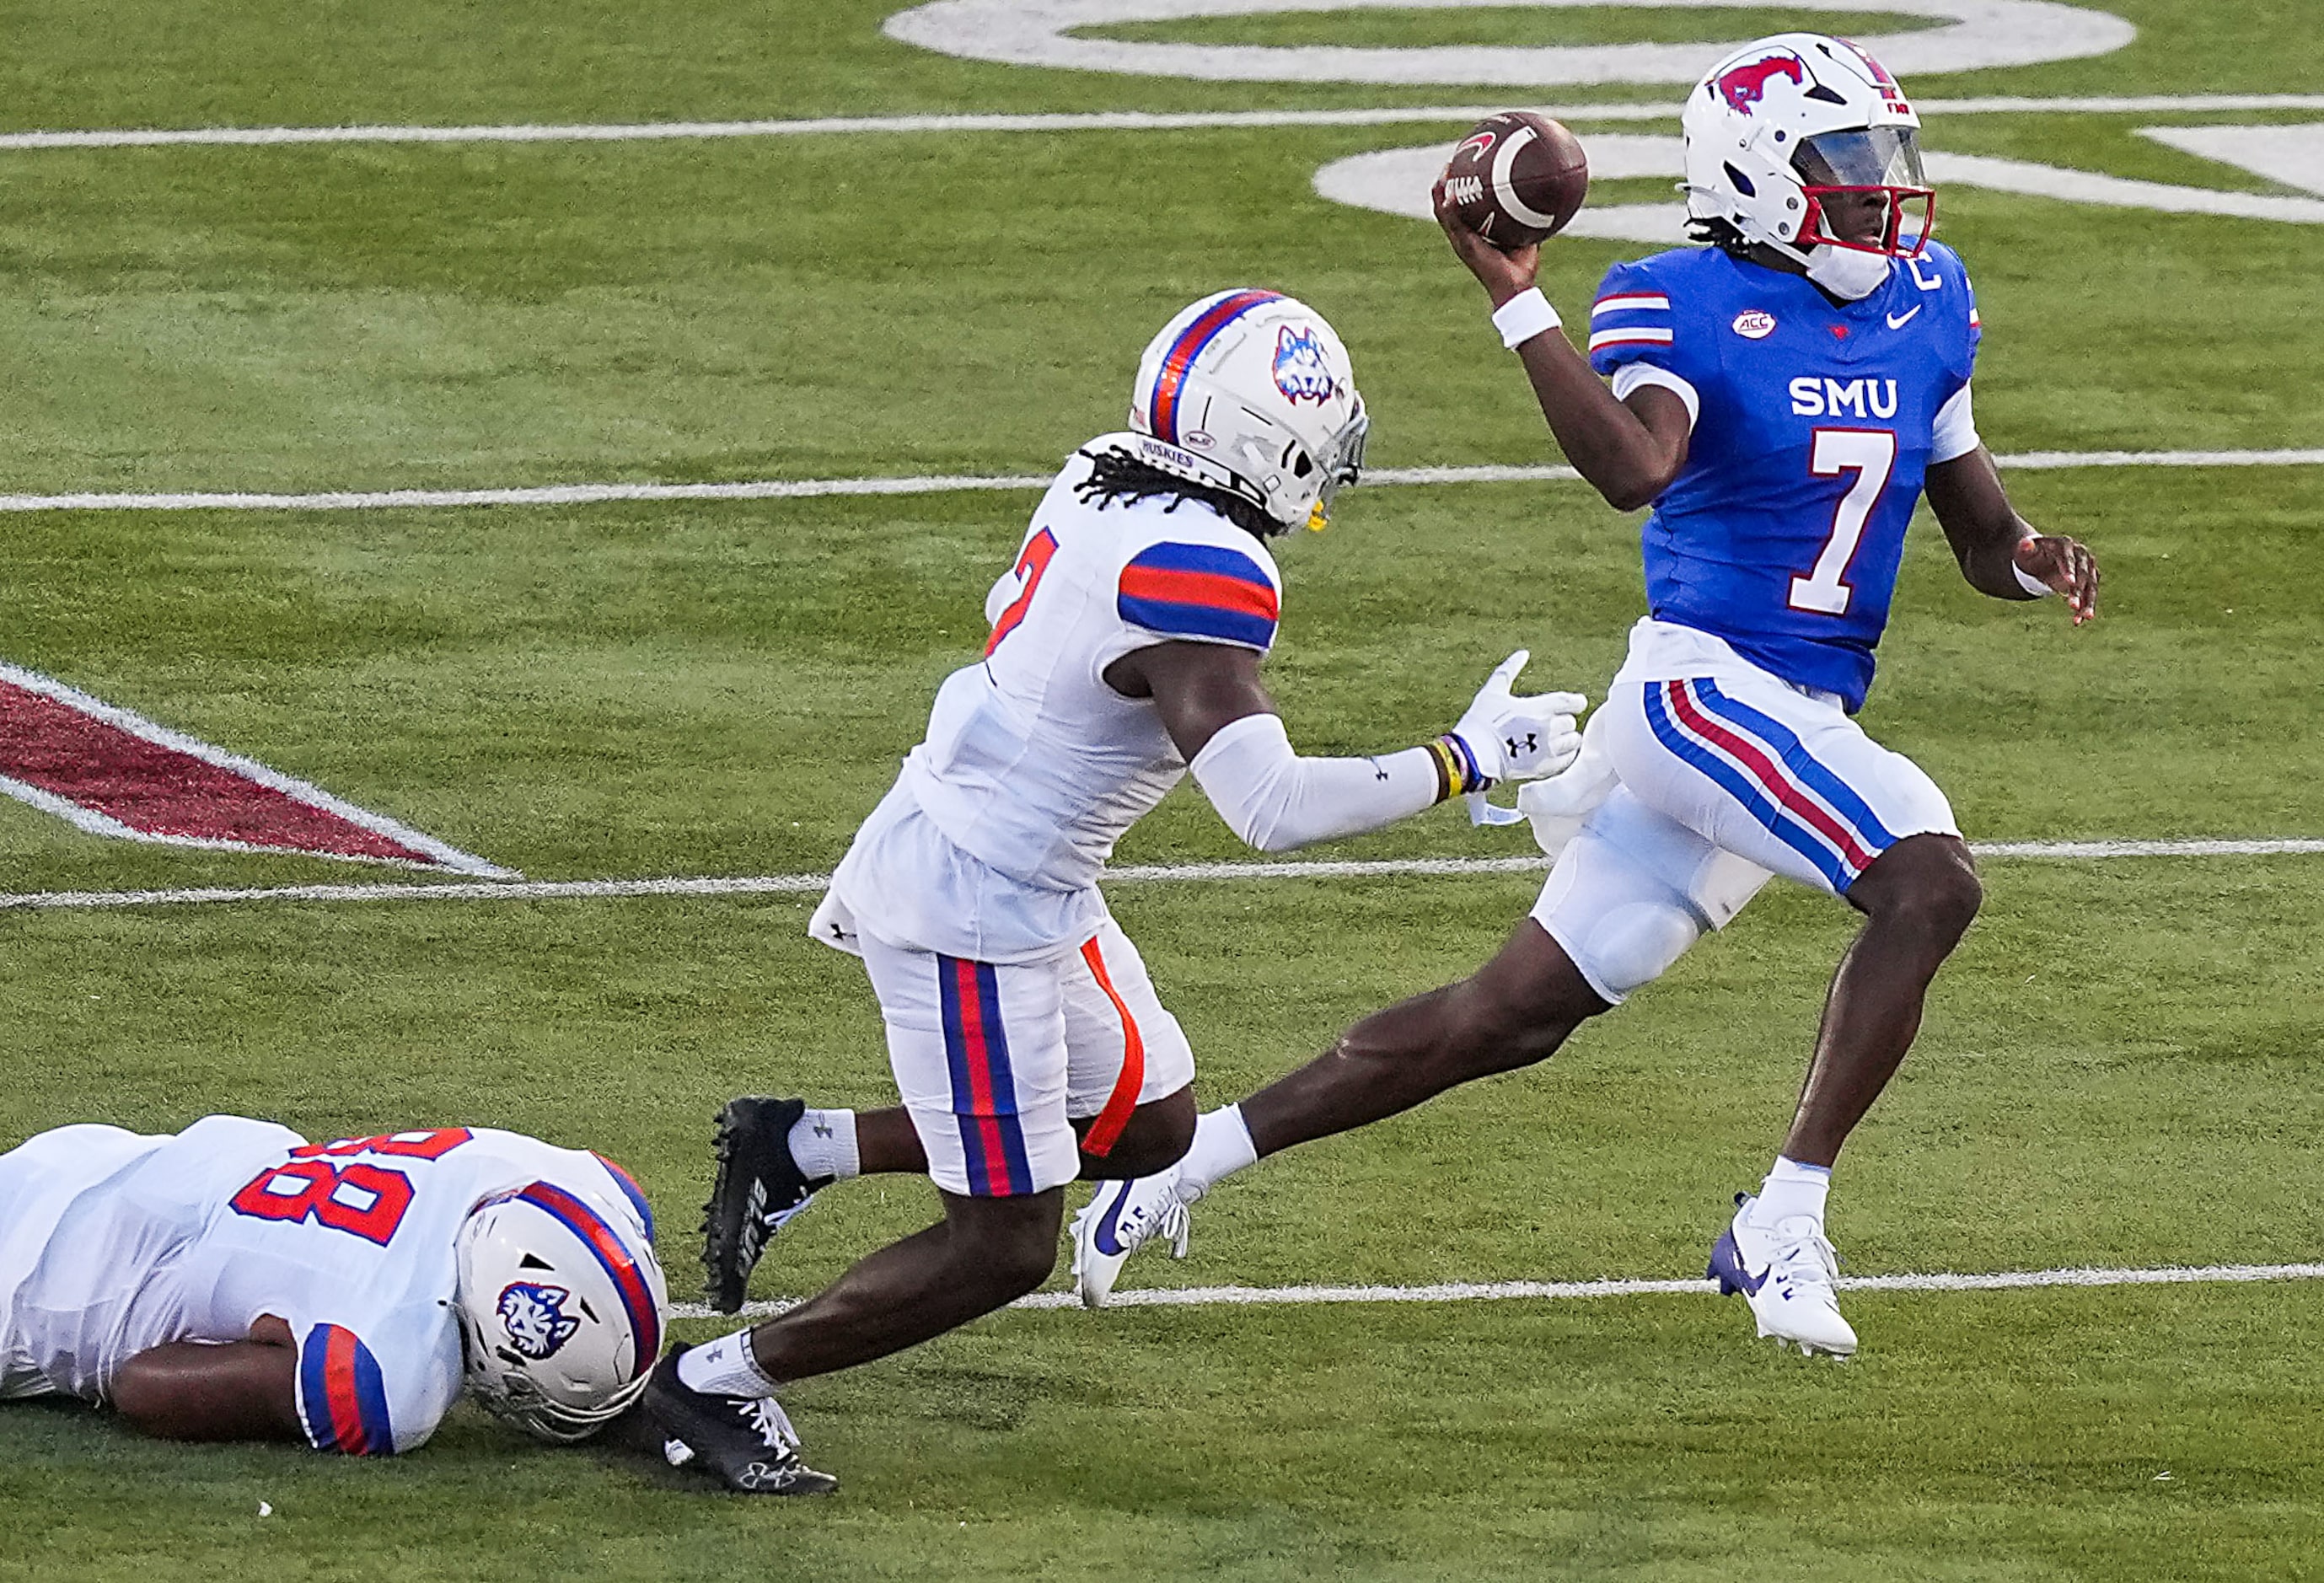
114,773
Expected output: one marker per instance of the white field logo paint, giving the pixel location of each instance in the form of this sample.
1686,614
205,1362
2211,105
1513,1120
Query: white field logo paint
114,773
1396,181
1976,35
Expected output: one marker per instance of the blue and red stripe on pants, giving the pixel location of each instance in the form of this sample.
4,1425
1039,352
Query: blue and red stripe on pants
983,1088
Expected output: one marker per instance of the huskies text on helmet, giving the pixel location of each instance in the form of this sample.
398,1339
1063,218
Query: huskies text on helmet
1252,391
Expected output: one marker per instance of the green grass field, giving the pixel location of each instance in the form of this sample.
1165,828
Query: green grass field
2121,1068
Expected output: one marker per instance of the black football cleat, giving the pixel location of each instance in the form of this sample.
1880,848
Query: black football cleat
745,1443
757,1189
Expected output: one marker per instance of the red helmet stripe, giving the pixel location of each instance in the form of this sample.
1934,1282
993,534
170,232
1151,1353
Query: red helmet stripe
1163,407
603,1240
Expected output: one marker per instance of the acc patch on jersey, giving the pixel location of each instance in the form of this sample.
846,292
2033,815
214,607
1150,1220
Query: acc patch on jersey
535,1319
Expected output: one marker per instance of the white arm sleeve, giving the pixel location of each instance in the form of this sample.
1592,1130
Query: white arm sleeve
1956,430
1276,800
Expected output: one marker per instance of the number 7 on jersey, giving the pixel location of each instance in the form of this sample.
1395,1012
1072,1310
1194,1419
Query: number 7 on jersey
1038,552
1871,455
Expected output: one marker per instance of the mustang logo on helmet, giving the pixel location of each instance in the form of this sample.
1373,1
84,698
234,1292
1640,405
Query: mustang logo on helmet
1746,84
1301,372
535,1319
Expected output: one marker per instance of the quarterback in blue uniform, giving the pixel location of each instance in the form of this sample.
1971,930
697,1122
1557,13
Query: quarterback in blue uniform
1781,396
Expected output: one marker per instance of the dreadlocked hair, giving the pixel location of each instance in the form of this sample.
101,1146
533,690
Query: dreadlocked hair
1717,233
1114,476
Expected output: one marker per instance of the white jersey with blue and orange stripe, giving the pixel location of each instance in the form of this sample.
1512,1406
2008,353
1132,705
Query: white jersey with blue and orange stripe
1033,766
144,1241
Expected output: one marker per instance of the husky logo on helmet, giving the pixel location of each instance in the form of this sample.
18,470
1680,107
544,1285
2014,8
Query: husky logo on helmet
535,1319
1301,370
1746,84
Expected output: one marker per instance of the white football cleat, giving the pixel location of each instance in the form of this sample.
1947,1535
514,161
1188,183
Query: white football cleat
1785,1272
1124,1218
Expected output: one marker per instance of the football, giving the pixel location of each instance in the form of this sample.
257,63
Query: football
1517,178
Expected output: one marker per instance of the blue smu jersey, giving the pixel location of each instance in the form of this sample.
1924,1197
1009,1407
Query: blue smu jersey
1783,532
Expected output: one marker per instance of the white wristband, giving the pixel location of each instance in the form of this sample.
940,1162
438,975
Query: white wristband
1524,317
2029,582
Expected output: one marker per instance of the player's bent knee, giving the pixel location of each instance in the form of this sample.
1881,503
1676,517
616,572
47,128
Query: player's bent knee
1958,898
1003,1247
1925,883
1002,1268
1021,1265
1156,1137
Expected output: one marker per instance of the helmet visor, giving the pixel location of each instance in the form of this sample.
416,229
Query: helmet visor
1866,190
1883,156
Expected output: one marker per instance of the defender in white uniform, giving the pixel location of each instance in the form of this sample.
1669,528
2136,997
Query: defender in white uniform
346,1291
1026,1037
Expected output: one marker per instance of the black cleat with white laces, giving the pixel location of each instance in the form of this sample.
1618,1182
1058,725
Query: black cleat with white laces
757,1188
745,1443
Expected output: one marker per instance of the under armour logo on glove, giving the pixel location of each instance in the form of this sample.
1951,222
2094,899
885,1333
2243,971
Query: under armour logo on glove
1524,737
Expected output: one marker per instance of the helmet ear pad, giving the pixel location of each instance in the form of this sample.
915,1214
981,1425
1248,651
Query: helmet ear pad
561,1306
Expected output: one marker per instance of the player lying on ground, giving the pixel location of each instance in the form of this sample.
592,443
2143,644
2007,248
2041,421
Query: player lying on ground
1780,396
1026,1038
237,1282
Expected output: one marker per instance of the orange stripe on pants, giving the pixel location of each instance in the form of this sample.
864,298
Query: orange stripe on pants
1106,1130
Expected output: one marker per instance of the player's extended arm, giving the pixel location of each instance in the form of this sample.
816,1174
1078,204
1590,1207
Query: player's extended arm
1999,552
1629,450
244,1390
1218,714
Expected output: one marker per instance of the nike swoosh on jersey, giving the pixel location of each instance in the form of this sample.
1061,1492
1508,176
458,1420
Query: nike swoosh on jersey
1897,321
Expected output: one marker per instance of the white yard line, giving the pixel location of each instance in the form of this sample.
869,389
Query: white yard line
1093,121
1148,874
788,489
1563,1291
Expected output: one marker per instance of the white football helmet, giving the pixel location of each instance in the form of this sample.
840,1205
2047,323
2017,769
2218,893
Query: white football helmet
1251,392
561,1310
1781,127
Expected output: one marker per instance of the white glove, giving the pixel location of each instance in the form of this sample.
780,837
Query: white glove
1560,805
1520,739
